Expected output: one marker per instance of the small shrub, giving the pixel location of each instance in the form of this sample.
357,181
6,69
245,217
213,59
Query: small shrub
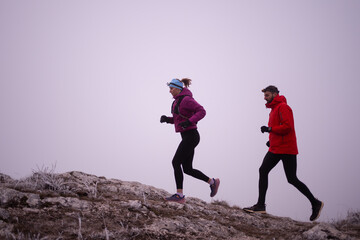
43,178
351,221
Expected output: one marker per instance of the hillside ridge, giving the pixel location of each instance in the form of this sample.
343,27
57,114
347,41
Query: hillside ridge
77,205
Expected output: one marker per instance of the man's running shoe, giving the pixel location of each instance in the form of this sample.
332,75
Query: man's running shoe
316,210
176,198
214,187
257,208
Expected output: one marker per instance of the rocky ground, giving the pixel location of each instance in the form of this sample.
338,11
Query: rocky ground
77,205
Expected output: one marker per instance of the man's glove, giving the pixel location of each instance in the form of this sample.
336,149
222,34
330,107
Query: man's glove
268,143
265,129
185,124
164,119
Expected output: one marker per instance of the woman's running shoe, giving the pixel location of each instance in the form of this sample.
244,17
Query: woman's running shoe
214,187
176,198
257,208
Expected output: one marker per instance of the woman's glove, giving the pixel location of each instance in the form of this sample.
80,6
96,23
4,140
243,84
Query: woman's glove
164,119
185,124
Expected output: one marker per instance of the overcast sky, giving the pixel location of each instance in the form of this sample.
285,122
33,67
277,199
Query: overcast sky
83,86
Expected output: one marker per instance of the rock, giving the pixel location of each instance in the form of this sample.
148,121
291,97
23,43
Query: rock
68,202
324,231
6,230
4,214
5,178
77,205
33,200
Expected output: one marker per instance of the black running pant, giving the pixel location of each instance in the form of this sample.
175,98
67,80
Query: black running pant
289,163
184,157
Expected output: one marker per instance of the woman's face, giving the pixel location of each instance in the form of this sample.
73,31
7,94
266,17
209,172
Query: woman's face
174,91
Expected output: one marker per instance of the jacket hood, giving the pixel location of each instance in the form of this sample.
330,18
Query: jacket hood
185,91
277,100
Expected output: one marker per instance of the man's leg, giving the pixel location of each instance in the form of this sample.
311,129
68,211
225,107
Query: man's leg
269,162
290,166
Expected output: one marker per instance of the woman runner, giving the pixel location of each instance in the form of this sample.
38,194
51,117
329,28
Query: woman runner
186,112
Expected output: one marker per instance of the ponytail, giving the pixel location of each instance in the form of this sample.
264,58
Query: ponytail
186,82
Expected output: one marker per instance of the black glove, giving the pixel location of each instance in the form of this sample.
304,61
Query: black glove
185,124
164,119
268,143
265,129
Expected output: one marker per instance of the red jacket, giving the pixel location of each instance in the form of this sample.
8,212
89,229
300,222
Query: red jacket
282,136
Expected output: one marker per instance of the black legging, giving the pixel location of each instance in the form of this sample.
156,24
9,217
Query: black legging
184,156
289,162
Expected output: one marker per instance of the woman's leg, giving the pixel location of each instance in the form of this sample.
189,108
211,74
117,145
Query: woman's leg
191,140
176,163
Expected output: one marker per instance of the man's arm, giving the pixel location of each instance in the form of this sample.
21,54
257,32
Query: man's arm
286,121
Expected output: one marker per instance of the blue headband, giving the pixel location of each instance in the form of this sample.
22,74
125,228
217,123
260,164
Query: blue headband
176,84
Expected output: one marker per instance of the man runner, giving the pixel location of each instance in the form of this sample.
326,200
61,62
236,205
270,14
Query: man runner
282,146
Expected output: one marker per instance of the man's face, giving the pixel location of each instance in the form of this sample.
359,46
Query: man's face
269,96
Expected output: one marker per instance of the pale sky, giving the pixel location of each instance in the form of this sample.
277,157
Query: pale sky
83,86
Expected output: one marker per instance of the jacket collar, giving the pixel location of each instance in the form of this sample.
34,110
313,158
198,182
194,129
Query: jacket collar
276,101
185,91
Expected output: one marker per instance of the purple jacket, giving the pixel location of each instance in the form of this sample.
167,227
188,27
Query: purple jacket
189,109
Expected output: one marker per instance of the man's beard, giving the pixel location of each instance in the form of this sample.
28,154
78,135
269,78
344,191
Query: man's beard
269,101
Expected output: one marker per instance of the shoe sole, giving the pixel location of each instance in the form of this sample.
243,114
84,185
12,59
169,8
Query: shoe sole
217,187
322,205
251,211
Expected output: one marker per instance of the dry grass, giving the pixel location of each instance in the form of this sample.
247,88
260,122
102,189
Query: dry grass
49,183
351,224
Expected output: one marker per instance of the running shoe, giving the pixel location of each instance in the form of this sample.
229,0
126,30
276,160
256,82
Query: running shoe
257,208
176,198
214,187
316,210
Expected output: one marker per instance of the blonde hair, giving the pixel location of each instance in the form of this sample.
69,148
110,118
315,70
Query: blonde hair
186,82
